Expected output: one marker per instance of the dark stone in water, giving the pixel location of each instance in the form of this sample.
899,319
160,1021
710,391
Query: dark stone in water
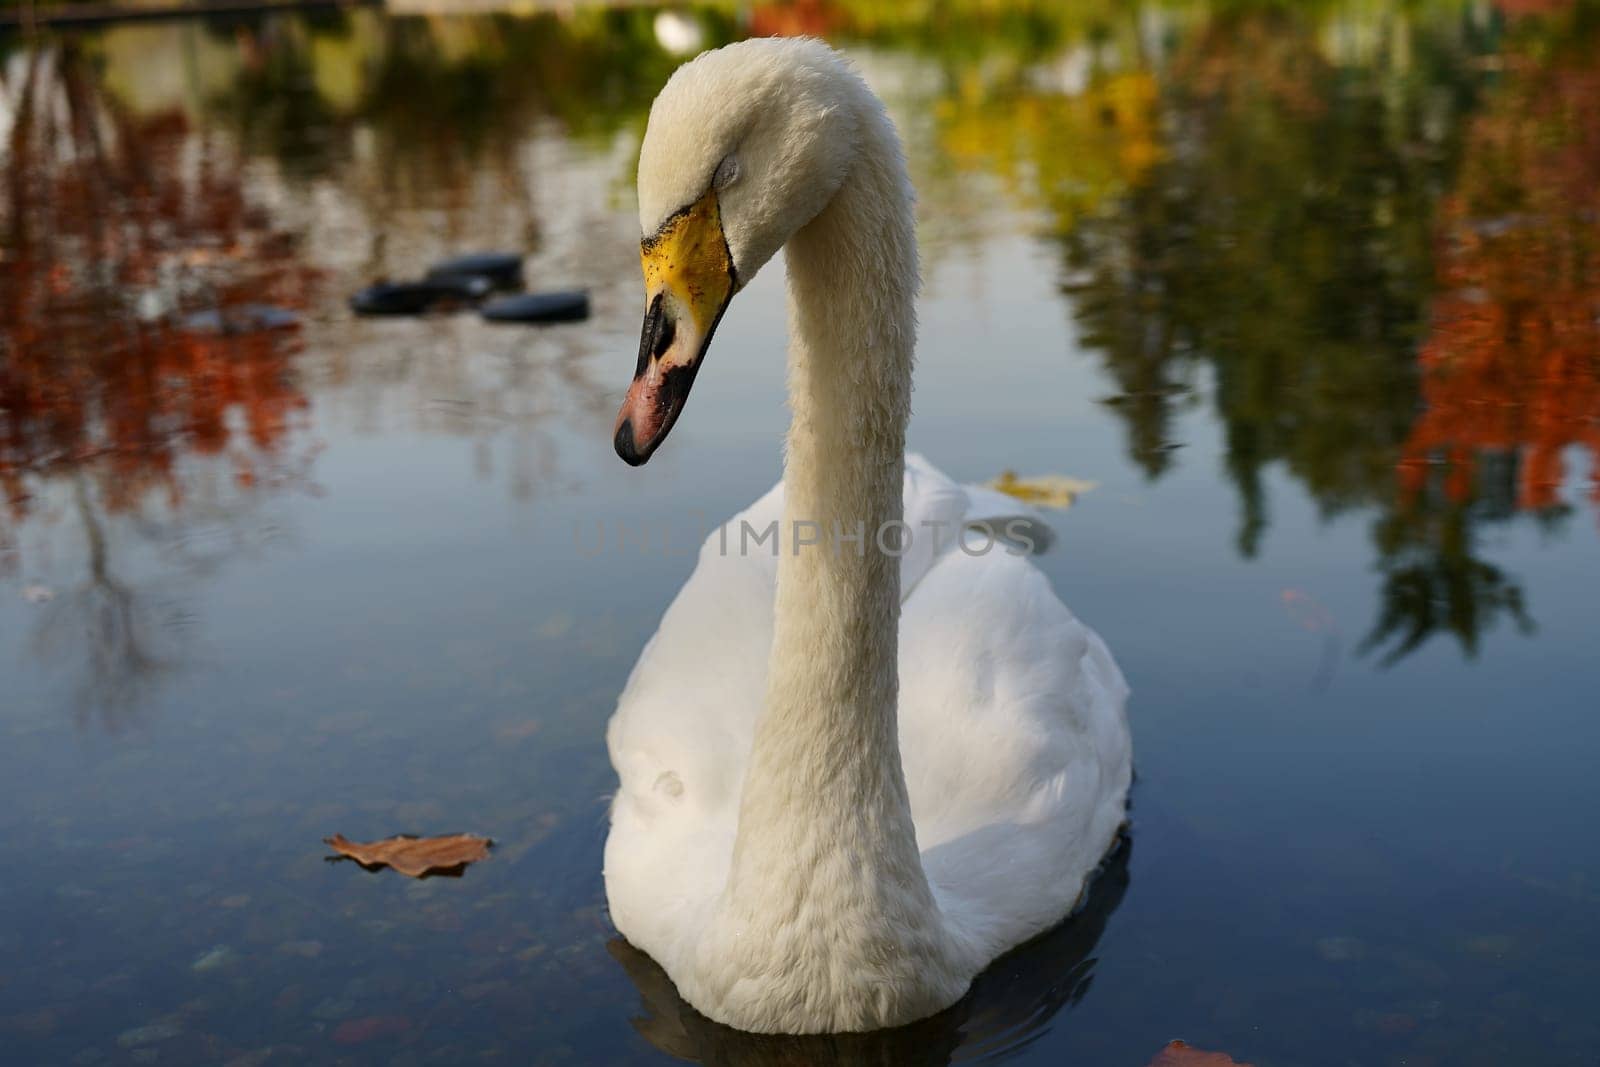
569,306
503,269
413,298
246,318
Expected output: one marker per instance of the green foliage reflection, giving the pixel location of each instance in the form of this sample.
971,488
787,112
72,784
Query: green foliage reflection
1299,244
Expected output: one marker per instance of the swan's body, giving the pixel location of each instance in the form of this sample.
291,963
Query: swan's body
850,777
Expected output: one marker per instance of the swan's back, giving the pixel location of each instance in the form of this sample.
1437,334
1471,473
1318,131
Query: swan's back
1013,733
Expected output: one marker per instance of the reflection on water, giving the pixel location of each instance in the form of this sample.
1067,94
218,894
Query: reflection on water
1331,267
131,243
1010,1005
142,235
1511,361
1313,257
1242,222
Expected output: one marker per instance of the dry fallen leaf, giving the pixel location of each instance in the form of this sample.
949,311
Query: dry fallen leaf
1044,490
1182,1054
417,856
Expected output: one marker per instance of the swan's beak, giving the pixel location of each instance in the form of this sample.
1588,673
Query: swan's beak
688,281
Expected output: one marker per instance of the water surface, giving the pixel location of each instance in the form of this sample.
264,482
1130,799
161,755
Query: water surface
1312,295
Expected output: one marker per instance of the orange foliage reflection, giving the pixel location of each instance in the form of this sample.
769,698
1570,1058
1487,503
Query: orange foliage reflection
1512,361
130,258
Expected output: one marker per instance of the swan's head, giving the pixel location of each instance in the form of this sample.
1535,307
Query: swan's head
745,145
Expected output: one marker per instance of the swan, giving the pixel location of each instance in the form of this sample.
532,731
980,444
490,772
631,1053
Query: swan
858,760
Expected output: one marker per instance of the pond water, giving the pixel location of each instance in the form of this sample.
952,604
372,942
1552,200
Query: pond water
1311,294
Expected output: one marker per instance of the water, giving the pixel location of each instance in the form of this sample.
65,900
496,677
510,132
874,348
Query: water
1312,295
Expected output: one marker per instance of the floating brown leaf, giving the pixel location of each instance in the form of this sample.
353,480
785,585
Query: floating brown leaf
1182,1054
418,857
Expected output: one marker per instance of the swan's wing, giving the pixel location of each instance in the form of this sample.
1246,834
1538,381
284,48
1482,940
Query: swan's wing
1009,519
936,505
1015,741
681,735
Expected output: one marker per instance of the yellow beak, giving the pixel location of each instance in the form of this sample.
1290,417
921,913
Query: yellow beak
688,281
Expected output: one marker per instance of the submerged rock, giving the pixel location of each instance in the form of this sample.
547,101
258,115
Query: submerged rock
563,306
502,269
414,298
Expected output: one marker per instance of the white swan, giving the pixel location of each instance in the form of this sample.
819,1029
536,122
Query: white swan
850,778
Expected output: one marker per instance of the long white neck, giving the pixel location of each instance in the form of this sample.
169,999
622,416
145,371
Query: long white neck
825,835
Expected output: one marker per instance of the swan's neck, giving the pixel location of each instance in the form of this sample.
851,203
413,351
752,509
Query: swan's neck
825,836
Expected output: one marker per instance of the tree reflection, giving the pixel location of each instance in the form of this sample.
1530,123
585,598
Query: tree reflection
1331,243
407,139
122,636
1434,583
440,97
1279,254
138,394
1302,216
1511,362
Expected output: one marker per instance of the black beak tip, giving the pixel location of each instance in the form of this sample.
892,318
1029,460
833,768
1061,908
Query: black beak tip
625,445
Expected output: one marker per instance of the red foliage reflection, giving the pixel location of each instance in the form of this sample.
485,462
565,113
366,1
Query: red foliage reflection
129,259
1512,362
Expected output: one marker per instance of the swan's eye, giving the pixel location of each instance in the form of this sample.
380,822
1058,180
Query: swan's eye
727,173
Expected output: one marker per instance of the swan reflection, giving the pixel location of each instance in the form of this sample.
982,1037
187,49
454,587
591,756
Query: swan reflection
1011,1005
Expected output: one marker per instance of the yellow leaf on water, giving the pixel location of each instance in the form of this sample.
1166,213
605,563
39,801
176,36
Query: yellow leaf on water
1043,490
